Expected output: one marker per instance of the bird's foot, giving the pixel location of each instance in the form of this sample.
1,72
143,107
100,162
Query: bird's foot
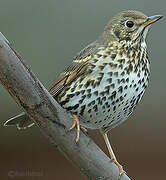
119,166
76,124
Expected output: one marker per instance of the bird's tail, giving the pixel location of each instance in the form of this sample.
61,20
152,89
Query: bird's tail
21,121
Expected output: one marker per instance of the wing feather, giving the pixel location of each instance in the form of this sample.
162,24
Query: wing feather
78,67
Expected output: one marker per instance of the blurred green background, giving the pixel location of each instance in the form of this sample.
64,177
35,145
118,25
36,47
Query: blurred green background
47,34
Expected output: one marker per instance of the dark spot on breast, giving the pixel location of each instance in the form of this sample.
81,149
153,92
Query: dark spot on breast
83,91
122,80
107,87
123,73
80,101
143,79
127,80
95,60
106,103
118,81
64,102
113,102
110,73
116,74
113,95
108,52
102,93
111,122
115,65
104,98
101,67
99,55
109,80
112,85
139,82
71,95
114,108
121,61
104,56
93,102
99,100
87,84
120,89
113,56
89,95
89,111
138,98
144,85
80,86
77,93
139,74
73,89
126,87
121,66
96,93
88,90
99,79
111,65
121,98
76,106
82,109
95,108
69,108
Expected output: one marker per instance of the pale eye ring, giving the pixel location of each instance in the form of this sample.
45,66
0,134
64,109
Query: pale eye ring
129,23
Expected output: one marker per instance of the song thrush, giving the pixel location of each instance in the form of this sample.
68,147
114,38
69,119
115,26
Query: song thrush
107,79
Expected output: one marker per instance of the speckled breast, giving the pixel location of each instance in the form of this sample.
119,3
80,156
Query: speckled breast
108,92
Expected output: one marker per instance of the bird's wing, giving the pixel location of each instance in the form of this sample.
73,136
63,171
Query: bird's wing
78,67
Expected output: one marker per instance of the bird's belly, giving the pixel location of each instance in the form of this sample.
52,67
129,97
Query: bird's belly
110,112
108,103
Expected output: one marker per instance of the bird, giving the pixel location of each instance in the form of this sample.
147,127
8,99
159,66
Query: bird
106,80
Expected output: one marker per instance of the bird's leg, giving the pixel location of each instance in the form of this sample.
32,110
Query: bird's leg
111,153
76,124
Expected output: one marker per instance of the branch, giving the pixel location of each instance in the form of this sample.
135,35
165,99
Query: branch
53,121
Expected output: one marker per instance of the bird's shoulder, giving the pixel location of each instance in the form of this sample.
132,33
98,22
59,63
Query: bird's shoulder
78,67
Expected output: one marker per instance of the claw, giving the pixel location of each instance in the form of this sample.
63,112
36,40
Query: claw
119,166
83,129
76,124
73,126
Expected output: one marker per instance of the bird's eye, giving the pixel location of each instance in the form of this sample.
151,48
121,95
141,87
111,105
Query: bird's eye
129,24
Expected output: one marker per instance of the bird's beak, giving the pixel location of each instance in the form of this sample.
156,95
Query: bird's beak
151,20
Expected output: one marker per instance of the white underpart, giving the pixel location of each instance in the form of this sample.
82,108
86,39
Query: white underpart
108,116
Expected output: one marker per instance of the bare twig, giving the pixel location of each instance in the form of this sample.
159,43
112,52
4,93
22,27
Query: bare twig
54,122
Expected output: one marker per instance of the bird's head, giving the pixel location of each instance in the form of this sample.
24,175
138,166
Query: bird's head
128,26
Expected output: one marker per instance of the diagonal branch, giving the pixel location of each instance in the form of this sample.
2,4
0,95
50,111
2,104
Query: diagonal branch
53,121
